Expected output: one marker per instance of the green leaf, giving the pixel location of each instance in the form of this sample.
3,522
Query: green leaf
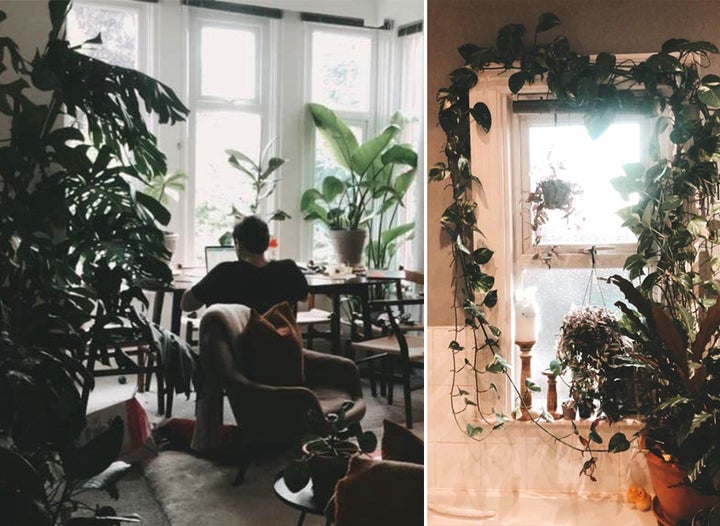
618,443
547,21
481,256
370,151
392,234
472,431
158,211
481,114
491,299
593,436
339,139
400,154
296,475
455,346
709,91
532,386
331,188
517,81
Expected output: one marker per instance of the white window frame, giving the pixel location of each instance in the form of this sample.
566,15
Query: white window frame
145,13
263,104
365,120
493,160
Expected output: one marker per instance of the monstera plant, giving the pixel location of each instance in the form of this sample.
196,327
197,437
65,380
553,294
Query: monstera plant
76,241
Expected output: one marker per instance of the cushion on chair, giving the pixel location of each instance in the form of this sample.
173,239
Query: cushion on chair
272,348
399,443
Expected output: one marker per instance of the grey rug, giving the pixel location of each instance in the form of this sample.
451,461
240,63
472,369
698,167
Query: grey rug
194,492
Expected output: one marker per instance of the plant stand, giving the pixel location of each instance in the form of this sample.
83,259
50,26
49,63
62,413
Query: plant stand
552,395
526,404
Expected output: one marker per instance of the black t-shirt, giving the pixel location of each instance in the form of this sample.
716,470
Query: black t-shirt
257,287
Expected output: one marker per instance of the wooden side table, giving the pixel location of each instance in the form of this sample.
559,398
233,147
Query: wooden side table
303,500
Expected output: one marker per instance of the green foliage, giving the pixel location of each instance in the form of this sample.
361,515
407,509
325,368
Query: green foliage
76,243
369,190
675,220
330,434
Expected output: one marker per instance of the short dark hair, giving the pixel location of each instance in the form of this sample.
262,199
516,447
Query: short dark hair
253,234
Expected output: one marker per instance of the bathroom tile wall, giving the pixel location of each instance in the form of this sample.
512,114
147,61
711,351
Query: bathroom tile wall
520,458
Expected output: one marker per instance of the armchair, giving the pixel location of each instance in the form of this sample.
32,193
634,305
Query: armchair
265,414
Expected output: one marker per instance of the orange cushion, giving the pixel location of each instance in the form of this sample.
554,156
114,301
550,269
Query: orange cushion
271,351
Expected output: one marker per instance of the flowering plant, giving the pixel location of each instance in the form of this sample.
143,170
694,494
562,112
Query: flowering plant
588,344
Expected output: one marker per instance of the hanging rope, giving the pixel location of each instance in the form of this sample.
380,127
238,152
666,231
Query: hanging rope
587,297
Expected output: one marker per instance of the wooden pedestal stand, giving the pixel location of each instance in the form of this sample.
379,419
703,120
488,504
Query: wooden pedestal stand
526,410
552,395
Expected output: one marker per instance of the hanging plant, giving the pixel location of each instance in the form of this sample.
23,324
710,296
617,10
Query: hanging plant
674,220
551,193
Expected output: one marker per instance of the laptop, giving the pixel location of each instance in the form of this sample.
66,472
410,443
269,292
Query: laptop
218,254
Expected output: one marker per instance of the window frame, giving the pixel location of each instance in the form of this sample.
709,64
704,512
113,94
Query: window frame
493,159
262,105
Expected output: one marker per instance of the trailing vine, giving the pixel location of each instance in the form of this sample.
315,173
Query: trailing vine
676,219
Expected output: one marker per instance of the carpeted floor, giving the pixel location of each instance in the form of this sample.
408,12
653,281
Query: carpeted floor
179,489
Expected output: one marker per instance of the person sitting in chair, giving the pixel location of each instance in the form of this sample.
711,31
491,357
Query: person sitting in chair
252,280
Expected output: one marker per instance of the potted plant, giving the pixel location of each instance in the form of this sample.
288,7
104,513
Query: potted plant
76,240
326,455
370,189
160,188
679,395
587,344
263,185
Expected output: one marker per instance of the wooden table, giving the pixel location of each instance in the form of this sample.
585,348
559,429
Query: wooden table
303,500
333,287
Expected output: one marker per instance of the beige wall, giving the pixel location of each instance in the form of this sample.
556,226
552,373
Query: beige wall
620,26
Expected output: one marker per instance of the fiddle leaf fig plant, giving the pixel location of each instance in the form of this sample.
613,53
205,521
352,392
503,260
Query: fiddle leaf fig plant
675,220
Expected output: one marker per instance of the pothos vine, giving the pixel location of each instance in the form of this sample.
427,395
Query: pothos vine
667,86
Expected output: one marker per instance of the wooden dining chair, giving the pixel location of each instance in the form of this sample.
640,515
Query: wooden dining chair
401,347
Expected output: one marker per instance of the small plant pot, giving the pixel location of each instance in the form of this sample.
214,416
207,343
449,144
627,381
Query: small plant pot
326,469
569,410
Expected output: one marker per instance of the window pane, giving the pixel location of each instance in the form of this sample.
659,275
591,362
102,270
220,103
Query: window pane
218,186
341,65
412,104
568,153
557,291
223,78
119,29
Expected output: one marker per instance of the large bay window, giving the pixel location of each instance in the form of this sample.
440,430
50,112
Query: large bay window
247,74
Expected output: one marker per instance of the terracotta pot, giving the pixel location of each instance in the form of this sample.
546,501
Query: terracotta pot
675,500
348,245
326,470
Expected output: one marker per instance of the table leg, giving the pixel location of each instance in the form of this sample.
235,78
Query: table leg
176,315
367,319
335,344
301,519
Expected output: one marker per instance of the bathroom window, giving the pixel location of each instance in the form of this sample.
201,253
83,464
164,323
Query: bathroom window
554,251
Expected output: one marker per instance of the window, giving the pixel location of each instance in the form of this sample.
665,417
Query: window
229,112
121,25
340,78
559,148
412,103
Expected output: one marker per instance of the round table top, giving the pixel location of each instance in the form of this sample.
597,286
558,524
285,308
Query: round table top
303,500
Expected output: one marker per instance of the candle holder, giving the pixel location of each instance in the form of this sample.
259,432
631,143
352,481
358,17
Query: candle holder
526,404
552,395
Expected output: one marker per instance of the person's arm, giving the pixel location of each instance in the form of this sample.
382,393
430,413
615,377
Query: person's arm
190,302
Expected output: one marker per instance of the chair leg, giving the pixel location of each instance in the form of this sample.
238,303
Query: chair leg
389,373
408,400
371,374
170,396
244,458
150,365
160,390
141,365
